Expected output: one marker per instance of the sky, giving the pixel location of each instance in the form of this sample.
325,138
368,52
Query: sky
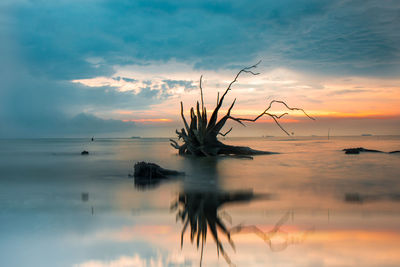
120,68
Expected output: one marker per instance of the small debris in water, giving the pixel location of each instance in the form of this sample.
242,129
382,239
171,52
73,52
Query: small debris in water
85,197
353,197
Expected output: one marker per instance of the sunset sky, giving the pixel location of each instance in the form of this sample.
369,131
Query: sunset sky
120,68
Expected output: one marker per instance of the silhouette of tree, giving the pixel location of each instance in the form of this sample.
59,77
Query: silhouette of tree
200,136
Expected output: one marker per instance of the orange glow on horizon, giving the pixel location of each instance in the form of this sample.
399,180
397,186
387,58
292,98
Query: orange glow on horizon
148,120
296,117
251,114
355,115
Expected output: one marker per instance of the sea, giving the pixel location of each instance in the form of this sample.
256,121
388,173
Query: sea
309,205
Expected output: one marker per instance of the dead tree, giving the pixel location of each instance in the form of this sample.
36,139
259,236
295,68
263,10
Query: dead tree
200,136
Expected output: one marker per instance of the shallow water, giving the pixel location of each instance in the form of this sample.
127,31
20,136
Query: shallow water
309,206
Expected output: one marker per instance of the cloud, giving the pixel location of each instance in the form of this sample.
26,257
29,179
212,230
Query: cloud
59,125
37,106
137,260
187,85
347,91
154,88
47,44
87,123
356,36
129,80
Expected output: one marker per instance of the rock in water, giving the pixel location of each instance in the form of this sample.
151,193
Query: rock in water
152,171
85,197
352,151
84,152
357,150
353,197
149,175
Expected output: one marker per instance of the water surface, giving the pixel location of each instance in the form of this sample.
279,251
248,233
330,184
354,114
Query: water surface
312,205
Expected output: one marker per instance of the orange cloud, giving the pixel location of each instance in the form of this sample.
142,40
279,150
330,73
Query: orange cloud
250,114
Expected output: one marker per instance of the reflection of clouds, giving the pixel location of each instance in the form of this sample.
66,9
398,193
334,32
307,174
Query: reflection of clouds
135,232
138,261
337,245
156,234
328,248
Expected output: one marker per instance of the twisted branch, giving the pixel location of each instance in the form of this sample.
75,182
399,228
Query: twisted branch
273,116
224,134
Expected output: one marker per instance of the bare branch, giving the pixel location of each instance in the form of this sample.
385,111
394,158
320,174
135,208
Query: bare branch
283,103
183,118
280,126
273,116
214,115
182,149
174,143
226,132
246,70
201,92
230,108
237,120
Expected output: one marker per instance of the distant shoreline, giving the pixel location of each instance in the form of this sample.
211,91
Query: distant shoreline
232,137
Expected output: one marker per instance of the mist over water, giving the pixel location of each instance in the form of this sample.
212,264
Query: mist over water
60,208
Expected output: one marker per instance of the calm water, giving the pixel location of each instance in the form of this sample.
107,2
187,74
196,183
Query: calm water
310,206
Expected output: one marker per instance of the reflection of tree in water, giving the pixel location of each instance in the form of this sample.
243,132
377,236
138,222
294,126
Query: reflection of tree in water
277,239
198,207
200,211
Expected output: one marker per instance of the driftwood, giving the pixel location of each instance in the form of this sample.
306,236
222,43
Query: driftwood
200,135
358,198
357,150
